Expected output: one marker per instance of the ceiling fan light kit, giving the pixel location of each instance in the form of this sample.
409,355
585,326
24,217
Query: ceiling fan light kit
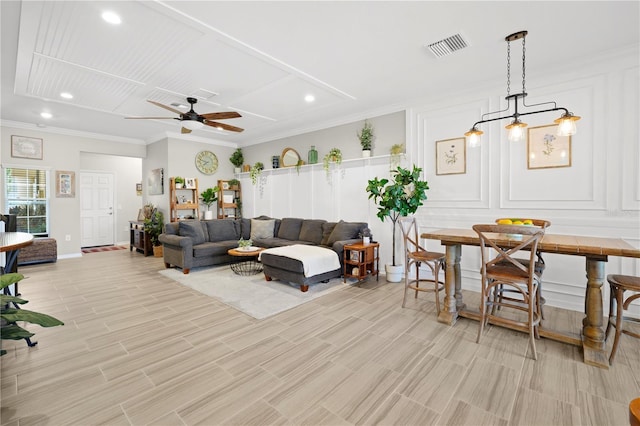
516,129
191,120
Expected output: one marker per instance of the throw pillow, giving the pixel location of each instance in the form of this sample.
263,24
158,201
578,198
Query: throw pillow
192,229
344,231
262,228
312,231
290,228
327,229
223,230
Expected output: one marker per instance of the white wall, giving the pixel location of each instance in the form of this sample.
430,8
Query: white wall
64,151
598,195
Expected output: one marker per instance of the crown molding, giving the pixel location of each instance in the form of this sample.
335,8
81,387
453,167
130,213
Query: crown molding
69,132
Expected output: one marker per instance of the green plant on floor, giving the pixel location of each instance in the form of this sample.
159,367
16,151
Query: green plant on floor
366,136
400,197
154,226
237,158
209,196
9,328
333,156
255,172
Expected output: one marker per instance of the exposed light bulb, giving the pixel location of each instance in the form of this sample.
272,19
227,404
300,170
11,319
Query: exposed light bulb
516,130
474,140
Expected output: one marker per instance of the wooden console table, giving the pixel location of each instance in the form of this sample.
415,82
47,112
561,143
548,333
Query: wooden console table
363,257
595,250
139,239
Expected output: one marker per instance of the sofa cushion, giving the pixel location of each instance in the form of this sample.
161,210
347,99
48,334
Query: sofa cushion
327,229
245,227
223,230
219,248
311,230
262,228
192,229
290,228
344,231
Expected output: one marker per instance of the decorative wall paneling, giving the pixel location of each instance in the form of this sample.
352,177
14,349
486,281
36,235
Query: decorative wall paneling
630,171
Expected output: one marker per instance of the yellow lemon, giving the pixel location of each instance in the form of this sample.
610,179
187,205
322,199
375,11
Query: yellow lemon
504,222
528,222
517,222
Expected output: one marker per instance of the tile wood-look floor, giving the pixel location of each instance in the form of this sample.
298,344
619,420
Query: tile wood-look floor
138,348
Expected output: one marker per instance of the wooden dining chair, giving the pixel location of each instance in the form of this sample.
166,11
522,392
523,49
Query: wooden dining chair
540,266
416,255
501,268
618,285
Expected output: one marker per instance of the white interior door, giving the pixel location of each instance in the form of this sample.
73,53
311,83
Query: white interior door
96,209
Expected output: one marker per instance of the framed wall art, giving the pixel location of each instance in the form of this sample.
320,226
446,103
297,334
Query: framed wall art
155,182
190,183
26,147
451,156
545,149
65,184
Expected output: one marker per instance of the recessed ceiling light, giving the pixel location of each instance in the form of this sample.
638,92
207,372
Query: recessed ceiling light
66,95
309,98
46,115
111,17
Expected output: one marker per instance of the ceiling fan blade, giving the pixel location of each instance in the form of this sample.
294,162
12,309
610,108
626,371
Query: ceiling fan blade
223,126
149,118
221,115
185,130
166,107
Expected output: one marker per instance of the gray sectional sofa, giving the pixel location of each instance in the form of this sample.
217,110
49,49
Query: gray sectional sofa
193,243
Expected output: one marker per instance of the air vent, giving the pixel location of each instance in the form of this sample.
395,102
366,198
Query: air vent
447,46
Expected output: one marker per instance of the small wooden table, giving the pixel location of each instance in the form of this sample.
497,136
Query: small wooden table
364,257
248,261
595,250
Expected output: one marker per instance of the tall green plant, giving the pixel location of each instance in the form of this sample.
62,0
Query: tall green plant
154,227
9,329
399,197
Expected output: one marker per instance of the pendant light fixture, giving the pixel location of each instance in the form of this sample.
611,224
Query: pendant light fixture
516,129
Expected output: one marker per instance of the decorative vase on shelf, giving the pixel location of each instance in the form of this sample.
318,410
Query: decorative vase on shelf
366,153
275,162
313,155
208,215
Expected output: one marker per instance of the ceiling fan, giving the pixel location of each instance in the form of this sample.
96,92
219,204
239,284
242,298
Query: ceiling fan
191,120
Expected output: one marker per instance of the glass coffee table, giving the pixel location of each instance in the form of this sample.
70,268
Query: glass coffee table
247,260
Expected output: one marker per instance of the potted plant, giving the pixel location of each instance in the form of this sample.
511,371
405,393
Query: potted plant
11,316
366,138
237,158
333,156
396,153
208,197
255,172
234,184
399,197
153,227
365,234
179,181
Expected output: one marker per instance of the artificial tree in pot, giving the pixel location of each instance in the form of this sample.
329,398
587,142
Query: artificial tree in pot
399,197
154,226
208,197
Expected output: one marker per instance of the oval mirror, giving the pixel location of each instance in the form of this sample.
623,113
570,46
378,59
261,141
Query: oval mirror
289,158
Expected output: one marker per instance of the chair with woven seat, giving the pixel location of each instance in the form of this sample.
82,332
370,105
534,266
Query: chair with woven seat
502,268
540,265
416,255
618,285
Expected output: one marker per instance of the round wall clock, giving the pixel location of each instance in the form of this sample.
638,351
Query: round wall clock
207,162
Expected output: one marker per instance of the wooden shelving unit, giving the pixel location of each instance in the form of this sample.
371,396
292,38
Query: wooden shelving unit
361,261
229,206
183,201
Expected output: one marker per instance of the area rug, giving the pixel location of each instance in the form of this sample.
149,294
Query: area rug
252,295
103,248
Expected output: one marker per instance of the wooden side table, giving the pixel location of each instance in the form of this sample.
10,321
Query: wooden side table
361,261
138,238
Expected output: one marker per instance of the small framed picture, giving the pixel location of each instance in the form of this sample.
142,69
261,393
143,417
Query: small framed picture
26,147
138,188
190,183
65,184
141,216
451,157
225,185
355,256
545,149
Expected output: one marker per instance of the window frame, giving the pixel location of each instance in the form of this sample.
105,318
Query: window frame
32,202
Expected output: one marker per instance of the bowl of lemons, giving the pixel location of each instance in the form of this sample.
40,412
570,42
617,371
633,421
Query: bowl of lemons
521,222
